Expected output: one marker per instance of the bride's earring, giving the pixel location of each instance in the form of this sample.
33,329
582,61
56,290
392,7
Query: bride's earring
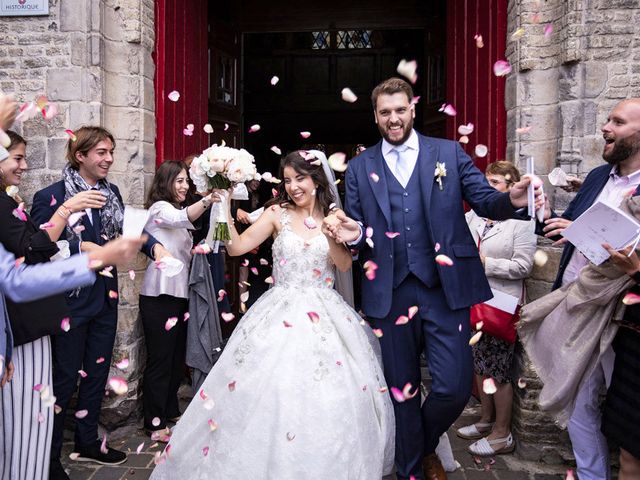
313,192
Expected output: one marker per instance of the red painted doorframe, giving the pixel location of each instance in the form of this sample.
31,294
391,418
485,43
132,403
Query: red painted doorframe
472,88
181,59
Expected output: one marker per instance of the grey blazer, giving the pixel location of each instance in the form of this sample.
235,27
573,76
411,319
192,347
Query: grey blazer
508,249
31,282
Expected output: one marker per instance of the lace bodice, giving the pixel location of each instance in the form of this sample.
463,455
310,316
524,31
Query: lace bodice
300,263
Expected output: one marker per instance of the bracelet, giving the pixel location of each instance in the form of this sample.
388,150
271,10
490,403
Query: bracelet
64,212
206,203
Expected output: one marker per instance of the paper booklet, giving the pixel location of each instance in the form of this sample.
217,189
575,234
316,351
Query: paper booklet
602,223
503,301
134,221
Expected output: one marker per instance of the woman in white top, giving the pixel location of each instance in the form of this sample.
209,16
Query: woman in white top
164,298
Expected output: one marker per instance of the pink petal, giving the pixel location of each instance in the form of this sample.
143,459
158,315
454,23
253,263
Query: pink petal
118,385
489,386
374,176
53,201
19,261
123,364
522,383
481,150
397,394
205,451
263,261
254,128
140,447
113,294
444,260
46,226
466,129
286,324
310,223
305,134
71,135
476,338
463,139
213,426
254,270
548,30
232,386
448,109
174,96
348,95
314,317
75,218
392,234
38,387
82,373
501,68
276,150
202,249
82,413
57,409
406,391
207,128
50,111
155,422
268,280
479,325
369,242
479,41
631,299
226,127
274,81
221,294
522,130
436,247
338,161
569,475
415,100
408,70
290,436
368,232
402,320
377,332
187,132
74,456
100,360
65,324
412,311
40,417
103,445
19,213
227,316
186,317
132,274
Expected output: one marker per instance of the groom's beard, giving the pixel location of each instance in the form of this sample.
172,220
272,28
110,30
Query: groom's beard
406,133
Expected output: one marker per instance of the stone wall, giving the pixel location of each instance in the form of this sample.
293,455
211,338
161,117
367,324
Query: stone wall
93,59
563,85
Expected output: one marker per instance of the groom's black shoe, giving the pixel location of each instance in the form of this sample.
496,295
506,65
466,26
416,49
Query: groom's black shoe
93,453
433,469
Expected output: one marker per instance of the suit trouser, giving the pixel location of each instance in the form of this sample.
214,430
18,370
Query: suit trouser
166,350
444,335
88,347
589,444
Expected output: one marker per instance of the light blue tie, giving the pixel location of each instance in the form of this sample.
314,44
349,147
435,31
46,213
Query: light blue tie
403,169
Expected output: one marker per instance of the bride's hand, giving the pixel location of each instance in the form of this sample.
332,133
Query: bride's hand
341,228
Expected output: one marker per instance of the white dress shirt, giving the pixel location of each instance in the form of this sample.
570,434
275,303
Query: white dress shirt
410,155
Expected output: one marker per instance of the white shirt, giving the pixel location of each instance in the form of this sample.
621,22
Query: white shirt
612,194
410,155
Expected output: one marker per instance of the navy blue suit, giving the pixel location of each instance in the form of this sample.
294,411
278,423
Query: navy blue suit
88,345
425,217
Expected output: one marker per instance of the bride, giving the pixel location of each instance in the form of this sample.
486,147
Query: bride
298,392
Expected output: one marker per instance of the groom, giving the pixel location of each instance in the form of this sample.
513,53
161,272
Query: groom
416,215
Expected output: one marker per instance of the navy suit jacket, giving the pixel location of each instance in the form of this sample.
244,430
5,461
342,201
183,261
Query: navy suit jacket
367,201
91,300
587,195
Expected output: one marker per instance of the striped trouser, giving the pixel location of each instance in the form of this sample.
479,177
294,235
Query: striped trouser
25,425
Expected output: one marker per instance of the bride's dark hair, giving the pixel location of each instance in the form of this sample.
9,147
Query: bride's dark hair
301,162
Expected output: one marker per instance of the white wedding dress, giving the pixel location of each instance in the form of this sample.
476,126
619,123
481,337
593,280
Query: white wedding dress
294,395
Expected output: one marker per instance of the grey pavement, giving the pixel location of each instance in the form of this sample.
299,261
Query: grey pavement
139,466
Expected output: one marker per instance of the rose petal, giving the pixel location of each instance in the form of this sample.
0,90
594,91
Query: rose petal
227,316
123,364
397,395
337,161
448,109
631,299
412,311
444,260
408,70
274,80
436,247
481,150
81,413
71,135
268,280
501,68
348,95
140,447
374,176
113,294
82,373
174,96
540,258
479,325
155,422
314,317
522,130
221,294
489,386
548,30
463,139
132,274
46,226
569,475
402,320
392,234
205,451
118,385
232,386
310,223
226,127
305,134
466,129
377,332
207,128
406,391
479,41
103,445
74,456
100,360
517,34
475,338
65,324
254,128
521,383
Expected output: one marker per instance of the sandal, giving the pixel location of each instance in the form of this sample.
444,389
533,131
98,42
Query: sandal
484,447
475,430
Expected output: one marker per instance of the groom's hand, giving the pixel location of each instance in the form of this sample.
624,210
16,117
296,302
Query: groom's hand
341,228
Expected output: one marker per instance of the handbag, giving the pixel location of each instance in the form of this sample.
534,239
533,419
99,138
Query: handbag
495,322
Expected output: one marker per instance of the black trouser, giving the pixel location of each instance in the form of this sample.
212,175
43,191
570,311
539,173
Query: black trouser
166,351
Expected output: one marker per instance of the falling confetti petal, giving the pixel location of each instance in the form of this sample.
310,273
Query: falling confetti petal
391,234
100,360
268,280
113,294
71,135
377,332
370,268
521,383
338,161
481,150
408,70
548,30
274,80
155,422
118,385
412,311
569,475
254,270
232,386
444,260
213,426
305,134
286,324
397,394
82,373
517,34
402,320
479,325
540,258
466,129
81,413
522,130
276,150
226,127
203,249
464,139
254,128
205,451
132,274
227,316
406,391
46,226
263,261
310,223
501,68
479,41
489,386
415,100
103,445
207,128
348,95
314,317
374,176
74,456
174,96
19,213
475,338
65,324
448,109
290,436
631,299
123,364
140,447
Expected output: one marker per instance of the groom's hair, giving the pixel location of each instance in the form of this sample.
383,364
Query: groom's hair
389,87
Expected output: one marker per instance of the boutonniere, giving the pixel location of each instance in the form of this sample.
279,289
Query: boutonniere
441,171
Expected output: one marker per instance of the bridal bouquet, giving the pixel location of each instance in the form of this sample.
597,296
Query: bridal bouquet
223,168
